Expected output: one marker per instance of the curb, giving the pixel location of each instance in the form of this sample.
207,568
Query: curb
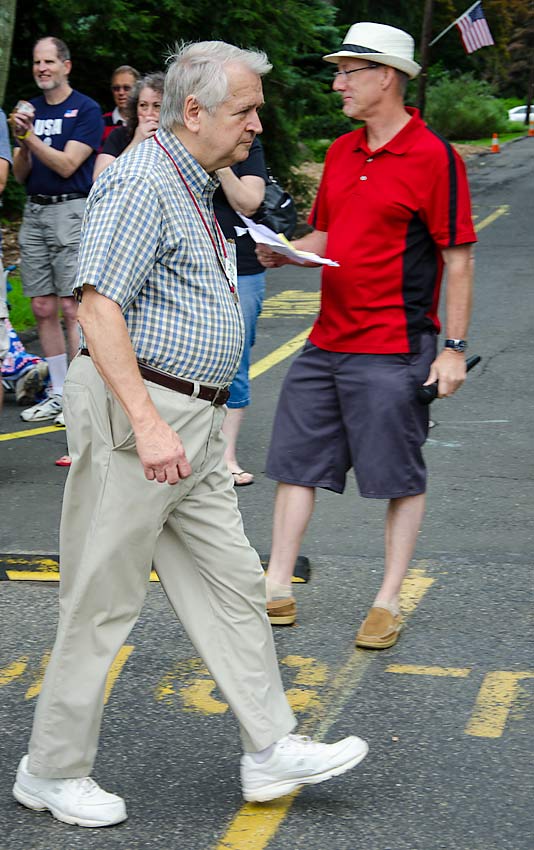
32,567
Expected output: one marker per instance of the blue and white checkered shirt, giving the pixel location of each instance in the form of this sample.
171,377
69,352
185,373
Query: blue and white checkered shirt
145,247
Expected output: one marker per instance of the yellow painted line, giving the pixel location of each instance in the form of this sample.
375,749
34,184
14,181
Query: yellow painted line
31,575
494,701
291,302
35,688
419,670
278,354
492,217
198,697
31,432
13,671
115,670
258,368
311,671
254,825
41,563
416,584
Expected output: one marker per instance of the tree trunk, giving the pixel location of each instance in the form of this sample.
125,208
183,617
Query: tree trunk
424,50
8,10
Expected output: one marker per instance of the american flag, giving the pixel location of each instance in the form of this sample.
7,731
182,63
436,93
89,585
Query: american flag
474,29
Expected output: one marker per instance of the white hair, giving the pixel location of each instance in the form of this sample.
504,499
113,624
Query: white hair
199,69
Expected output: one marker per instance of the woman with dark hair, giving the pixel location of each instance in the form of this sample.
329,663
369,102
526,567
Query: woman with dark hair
142,120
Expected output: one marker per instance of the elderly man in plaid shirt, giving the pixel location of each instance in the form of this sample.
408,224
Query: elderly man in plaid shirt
148,484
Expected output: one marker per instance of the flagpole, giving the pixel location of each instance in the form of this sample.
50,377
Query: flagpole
437,38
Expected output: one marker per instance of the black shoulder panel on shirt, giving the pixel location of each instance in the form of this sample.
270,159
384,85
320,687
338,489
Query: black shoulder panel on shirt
453,184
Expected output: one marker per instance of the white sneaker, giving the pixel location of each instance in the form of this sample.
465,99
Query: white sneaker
296,761
30,385
46,409
59,421
77,801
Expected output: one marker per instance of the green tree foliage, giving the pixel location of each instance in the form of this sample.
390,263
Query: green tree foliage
294,33
464,107
102,34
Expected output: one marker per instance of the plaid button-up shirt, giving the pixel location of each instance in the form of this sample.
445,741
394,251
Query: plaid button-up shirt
144,246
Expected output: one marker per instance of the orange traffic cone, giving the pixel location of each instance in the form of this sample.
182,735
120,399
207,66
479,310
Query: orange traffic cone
531,127
495,144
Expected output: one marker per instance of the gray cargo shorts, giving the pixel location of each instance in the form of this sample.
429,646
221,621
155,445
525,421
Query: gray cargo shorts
49,239
338,411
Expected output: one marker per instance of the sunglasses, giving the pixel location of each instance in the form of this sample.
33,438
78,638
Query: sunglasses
121,88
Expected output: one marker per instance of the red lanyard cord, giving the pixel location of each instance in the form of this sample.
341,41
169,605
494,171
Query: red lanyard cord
220,237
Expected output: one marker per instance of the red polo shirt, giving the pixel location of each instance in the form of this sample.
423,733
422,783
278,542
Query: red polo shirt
388,213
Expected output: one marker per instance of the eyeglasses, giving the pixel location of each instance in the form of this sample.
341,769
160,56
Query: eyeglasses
121,88
345,74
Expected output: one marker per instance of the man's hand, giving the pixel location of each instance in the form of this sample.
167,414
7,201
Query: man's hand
449,370
162,454
271,259
21,119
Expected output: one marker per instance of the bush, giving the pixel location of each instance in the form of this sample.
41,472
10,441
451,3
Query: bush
464,108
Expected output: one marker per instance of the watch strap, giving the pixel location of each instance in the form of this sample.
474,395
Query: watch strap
456,344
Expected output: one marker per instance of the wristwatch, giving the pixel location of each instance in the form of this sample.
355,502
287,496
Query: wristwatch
456,344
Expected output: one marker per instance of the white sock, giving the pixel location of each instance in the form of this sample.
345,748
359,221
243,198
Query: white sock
263,755
277,591
392,607
57,366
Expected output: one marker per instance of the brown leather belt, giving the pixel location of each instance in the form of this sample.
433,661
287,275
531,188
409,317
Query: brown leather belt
217,395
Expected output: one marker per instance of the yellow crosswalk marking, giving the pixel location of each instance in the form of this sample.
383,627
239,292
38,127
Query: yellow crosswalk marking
495,699
253,826
115,670
419,670
292,302
35,687
13,671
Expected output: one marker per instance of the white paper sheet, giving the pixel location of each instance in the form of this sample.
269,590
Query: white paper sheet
277,242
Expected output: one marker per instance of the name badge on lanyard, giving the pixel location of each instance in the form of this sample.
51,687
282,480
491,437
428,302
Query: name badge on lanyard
230,270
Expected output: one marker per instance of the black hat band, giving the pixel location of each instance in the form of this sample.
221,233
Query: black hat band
355,48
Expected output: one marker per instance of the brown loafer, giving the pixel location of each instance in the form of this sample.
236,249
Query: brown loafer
282,612
379,630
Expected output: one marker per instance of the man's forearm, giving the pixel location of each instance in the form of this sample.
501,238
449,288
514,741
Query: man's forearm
459,294
64,162
22,164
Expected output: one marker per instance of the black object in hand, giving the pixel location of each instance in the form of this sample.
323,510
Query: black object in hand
427,394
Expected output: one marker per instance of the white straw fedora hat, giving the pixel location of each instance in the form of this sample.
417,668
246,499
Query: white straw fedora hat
378,43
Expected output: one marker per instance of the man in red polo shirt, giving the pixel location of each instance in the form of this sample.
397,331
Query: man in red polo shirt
393,209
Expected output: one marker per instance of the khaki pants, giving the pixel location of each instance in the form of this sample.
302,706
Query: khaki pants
115,525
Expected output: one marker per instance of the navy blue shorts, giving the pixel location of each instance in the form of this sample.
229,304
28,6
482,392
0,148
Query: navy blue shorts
338,411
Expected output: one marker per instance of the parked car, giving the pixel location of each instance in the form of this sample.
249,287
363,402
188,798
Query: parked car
518,113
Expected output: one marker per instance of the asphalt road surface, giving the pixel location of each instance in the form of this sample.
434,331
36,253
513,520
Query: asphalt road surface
448,712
